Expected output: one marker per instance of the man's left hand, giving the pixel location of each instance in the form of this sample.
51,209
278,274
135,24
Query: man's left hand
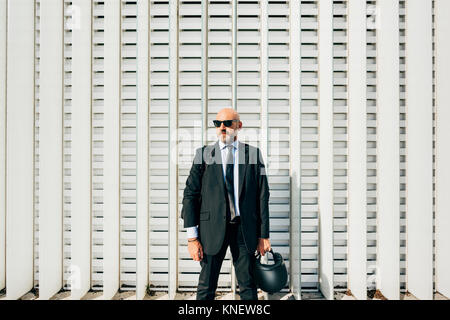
263,246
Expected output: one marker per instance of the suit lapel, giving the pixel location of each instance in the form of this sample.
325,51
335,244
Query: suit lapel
243,154
217,164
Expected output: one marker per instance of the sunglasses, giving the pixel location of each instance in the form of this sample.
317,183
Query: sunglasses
226,123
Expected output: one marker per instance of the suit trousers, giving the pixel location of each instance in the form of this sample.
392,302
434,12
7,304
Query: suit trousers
243,263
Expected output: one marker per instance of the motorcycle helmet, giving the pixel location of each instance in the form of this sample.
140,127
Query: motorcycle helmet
270,278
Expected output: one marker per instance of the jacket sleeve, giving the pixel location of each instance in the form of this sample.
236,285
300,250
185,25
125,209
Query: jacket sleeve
192,192
264,194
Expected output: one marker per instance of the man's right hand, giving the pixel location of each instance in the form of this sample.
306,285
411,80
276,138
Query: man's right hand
195,249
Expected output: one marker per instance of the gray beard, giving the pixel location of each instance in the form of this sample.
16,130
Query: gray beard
228,139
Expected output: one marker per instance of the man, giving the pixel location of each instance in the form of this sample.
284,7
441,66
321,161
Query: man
226,203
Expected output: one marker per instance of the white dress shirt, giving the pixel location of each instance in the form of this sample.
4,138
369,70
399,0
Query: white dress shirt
192,232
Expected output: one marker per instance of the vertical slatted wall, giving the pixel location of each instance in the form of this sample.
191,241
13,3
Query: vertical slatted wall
346,101
277,123
387,87
309,108
158,144
69,20
98,171
340,152
128,73
37,143
192,62
402,26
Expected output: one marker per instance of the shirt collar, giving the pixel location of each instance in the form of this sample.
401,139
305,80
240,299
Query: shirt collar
223,145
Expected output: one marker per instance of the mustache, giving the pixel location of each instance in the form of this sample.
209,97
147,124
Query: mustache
229,132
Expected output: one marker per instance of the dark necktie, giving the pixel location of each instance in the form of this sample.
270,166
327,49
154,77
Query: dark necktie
229,179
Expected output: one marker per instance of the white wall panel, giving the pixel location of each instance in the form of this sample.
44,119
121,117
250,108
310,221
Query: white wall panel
67,142
128,145
442,173
158,145
36,248
357,153
220,60
3,25
309,143
388,150
325,163
205,68
340,146
142,132
371,150
192,104
81,150
264,51
234,95
419,148
402,27
20,148
173,148
246,60
99,148
263,77
51,149
279,117
112,110
295,148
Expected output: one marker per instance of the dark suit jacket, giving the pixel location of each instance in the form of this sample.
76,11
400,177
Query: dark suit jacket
204,197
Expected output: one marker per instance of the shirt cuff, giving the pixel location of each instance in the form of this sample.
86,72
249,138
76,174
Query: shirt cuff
192,232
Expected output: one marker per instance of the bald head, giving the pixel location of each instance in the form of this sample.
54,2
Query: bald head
227,114
228,134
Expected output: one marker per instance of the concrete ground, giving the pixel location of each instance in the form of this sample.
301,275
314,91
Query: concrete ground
403,296
130,295
156,295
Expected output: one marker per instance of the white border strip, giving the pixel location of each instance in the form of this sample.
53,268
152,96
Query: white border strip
51,148
205,72
419,149
20,148
326,270
295,150
81,150
111,186
264,76
357,149
442,223
234,87
264,48
173,149
388,150
3,26
142,140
